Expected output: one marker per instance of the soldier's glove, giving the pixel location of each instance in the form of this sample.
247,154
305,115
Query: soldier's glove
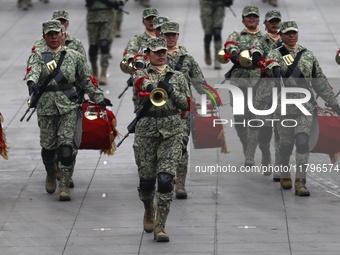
336,108
276,70
234,58
32,88
166,86
256,58
107,102
228,3
150,88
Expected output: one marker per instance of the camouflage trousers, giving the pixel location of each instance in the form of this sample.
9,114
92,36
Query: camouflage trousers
57,130
154,156
287,139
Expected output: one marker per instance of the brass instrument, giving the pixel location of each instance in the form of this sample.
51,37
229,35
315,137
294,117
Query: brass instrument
158,97
220,57
337,57
245,59
126,67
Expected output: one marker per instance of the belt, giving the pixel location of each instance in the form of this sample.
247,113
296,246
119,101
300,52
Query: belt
160,114
59,87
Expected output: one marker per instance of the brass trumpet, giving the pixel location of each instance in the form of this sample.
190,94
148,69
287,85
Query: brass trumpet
245,59
158,97
220,57
337,57
126,67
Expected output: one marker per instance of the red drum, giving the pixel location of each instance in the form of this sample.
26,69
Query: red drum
325,132
96,129
204,134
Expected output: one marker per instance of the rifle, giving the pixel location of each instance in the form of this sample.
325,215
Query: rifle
131,127
129,84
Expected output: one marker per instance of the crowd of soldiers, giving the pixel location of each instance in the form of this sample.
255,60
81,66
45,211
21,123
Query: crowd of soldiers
58,65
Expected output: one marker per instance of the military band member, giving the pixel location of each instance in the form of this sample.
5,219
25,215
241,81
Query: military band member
158,136
298,67
57,108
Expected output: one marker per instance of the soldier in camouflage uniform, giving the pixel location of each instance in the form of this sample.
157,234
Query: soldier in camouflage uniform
118,21
212,17
307,74
57,108
180,60
100,22
244,77
138,42
158,136
263,90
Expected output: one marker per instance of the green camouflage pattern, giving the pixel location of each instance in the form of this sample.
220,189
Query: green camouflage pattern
150,12
289,25
136,44
170,27
51,25
161,136
251,9
243,77
273,14
318,82
158,21
60,14
211,14
156,44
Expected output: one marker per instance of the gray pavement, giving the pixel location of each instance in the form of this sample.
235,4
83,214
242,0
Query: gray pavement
226,213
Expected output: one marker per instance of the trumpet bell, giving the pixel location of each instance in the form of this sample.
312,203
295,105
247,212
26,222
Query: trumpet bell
126,67
337,58
220,57
245,59
158,97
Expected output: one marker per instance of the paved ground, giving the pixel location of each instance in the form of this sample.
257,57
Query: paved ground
226,213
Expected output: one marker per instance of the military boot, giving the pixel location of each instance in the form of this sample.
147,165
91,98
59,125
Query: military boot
266,158
300,187
149,216
118,32
102,79
207,56
277,163
160,235
217,64
19,4
24,4
250,153
180,191
64,186
50,182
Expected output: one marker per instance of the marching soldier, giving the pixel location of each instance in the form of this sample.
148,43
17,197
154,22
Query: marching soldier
263,90
100,22
298,67
244,76
54,71
160,131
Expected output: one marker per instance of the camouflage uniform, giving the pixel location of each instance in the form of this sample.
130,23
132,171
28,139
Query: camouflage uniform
193,75
100,22
158,139
57,114
243,78
212,17
263,93
138,42
314,79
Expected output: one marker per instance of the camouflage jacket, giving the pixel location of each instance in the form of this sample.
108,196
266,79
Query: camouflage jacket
238,42
73,68
265,44
190,68
314,78
178,101
136,45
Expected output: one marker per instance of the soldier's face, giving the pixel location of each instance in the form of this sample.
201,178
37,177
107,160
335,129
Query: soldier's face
290,38
272,26
53,39
251,21
157,58
148,23
171,39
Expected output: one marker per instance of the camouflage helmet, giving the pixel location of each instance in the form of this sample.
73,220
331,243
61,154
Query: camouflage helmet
273,14
170,27
289,25
51,25
250,9
158,21
156,44
60,14
148,12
